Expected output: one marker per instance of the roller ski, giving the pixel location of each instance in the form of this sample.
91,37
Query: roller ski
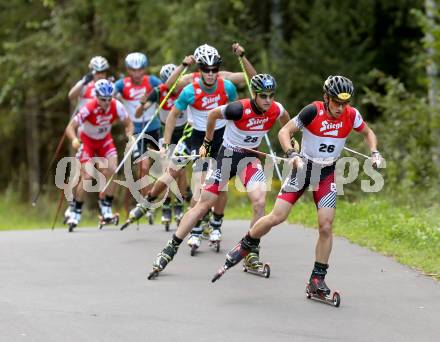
253,265
215,234
107,217
163,259
233,257
215,237
135,214
74,219
67,213
166,216
109,220
317,289
194,242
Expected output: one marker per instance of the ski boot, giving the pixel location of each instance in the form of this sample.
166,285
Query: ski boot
163,259
178,212
166,215
107,217
316,288
234,256
215,235
253,265
74,218
135,214
194,241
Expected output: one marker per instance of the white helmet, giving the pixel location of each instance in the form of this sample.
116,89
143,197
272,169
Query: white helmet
166,71
136,60
99,64
207,55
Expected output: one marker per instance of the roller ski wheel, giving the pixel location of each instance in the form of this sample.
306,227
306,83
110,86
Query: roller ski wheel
219,273
331,299
126,224
193,250
263,270
150,218
114,220
72,226
215,245
167,226
153,274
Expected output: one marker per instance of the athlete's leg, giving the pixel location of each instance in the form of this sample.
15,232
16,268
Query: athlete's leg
325,239
278,215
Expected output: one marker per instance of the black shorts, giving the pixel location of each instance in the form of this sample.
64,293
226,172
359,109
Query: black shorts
150,140
196,142
177,134
231,163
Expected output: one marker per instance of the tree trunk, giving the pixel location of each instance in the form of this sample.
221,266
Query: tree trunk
32,142
432,73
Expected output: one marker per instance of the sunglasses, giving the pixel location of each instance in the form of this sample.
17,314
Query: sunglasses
104,99
265,96
207,70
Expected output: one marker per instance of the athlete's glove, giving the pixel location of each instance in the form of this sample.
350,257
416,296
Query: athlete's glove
376,159
87,78
295,158
205,149
294,144
76,143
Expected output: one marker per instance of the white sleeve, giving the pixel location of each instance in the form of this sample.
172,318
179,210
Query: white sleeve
82,115
358,120
122,113
282,110
222,110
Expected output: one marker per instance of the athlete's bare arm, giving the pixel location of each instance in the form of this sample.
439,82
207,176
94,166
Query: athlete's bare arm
284,136
186,79
284,119
71,130
141,108
75,91
285,133
213,116
370,137
129,128
170,124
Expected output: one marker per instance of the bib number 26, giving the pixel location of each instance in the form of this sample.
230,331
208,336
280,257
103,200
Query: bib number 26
326,148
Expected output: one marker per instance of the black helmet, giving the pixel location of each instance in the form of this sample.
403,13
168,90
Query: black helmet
263,82
339,87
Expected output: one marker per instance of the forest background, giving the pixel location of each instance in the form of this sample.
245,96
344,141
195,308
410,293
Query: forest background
390,49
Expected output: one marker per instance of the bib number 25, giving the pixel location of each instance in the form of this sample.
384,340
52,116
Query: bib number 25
250,139
326,148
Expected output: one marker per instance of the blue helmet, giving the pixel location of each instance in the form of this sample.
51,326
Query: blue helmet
104,88
136,60
263,82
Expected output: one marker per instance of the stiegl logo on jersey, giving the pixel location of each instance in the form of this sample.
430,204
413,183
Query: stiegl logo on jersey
331,128
256,123
210,102
137,93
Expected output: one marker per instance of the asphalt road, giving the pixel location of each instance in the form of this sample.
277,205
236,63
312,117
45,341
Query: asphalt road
91,285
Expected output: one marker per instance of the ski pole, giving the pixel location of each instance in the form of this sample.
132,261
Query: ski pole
144,129
55,156
355,152
272,154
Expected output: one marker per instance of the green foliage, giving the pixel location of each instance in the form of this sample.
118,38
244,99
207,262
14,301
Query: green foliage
405,133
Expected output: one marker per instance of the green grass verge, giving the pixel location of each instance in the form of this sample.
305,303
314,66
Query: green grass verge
411,236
